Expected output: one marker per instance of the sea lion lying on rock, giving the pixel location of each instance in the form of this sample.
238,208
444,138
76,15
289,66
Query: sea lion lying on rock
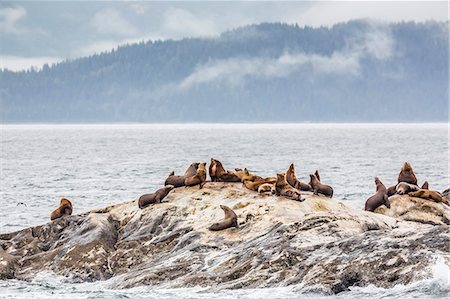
155,197
65,208
218,173
294,182
247,176
199,178
266,188
319,188
254,186
178,180
379,198
230,220
405,188
283,188
428,194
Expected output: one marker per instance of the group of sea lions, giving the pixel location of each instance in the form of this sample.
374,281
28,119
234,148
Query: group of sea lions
406,184
284,184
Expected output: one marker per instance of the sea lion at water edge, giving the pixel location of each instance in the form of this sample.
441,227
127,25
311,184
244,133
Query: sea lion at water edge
283,188
199,178
65,208
405,188
218,173
230,220
407,174
155,197
379,198
319,188
294,182
178,180
266,188
428,194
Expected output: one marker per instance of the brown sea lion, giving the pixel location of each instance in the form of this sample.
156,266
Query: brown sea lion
230,220
65,208
319,188
199,178
155,197
379,198
294,182
405,188
218,173
283,188
428,194
247,176
266,188
178,180
425,185
317,175
407,174
254,185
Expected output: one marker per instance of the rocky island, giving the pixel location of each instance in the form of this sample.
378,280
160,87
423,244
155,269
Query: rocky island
319,243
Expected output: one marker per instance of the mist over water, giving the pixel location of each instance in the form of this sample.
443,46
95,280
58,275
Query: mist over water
100,165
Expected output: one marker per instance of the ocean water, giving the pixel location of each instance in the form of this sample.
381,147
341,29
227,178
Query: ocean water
100,165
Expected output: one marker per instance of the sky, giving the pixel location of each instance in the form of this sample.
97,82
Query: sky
33,33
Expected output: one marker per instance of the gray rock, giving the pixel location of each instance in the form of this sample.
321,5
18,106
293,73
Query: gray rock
319,243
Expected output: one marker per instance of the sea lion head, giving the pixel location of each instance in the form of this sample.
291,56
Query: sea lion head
406,167
280,177
65,202
313,177
170,187
291,167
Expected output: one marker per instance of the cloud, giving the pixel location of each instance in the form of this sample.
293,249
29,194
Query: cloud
15,63
110,22
328,13
9,16
179,23
377,43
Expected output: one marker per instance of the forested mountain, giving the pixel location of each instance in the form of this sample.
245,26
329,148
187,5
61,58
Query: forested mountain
355,71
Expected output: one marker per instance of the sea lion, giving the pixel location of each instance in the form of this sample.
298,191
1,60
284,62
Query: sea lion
199,178
283,188
425,185
65,208
317,175
391,190
428,194
230,220
446,193
379,198
155,197
318,187
407,174
247,176
266,188
294,182
254,185
178,180
218,173
405,188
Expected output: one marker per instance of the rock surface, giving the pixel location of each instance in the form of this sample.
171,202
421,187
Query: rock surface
319,244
